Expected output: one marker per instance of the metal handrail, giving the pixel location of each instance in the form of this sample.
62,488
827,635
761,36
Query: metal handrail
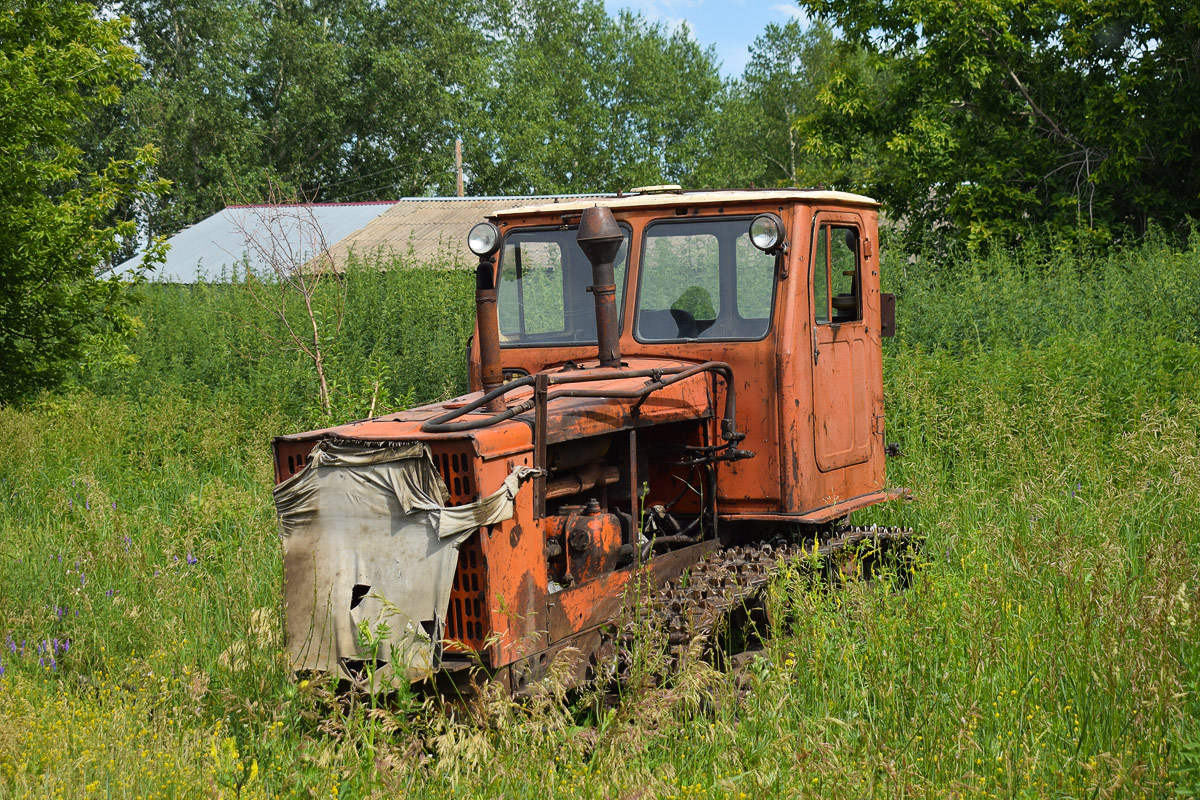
660,378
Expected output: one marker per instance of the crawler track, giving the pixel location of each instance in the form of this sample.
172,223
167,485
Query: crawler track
719,604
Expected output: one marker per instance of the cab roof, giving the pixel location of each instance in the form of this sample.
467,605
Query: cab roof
673,198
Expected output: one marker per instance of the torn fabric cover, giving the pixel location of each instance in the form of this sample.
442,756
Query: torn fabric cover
367,538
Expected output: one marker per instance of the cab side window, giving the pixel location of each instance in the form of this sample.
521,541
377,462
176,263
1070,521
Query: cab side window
837,292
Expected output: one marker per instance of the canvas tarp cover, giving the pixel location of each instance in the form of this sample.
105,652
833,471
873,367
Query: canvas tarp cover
367,537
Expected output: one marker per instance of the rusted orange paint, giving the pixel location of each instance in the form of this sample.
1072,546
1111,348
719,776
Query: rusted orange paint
809,399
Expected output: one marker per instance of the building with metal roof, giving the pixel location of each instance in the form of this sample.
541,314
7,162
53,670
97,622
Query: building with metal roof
430,230
419,230
258,235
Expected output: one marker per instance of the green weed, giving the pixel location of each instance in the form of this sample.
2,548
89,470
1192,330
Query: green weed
1046,403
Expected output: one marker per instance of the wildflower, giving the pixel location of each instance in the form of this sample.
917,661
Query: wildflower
128,542
192,560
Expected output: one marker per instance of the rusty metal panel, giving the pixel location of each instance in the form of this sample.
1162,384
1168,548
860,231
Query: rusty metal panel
841,422
887,315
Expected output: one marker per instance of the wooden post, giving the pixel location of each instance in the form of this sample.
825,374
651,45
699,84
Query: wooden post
458,166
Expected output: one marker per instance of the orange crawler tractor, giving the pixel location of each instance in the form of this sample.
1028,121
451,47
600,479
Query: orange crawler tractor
662,383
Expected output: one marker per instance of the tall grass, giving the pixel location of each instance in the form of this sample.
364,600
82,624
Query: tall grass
1047,405
396,331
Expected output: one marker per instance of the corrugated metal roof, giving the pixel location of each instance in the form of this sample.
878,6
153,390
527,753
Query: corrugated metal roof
429,229
289,234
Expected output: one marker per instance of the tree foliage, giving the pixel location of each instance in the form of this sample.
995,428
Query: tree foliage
337,99
755,141
59,65
995,117
360,100
578,101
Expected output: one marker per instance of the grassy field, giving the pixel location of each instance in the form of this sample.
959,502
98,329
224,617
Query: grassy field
1048,403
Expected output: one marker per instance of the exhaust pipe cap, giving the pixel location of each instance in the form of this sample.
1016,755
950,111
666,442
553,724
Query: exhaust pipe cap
599,235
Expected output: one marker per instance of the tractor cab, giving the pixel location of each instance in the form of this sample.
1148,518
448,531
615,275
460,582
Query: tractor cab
782,285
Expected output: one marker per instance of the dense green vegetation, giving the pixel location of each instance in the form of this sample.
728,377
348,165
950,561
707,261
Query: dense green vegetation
60,68
989,123
1046,404
990,119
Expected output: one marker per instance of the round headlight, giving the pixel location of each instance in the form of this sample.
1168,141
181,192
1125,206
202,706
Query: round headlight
484,239
766,232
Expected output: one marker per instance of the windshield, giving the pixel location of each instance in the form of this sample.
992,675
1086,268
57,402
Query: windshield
543,296
703,279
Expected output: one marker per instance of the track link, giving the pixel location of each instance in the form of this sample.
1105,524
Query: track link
697,607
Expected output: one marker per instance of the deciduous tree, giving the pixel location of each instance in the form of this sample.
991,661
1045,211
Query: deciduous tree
59,64
576,100
996,117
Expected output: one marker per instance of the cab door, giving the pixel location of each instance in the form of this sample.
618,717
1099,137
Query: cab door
840,346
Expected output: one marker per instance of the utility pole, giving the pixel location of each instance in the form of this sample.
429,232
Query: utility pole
458,165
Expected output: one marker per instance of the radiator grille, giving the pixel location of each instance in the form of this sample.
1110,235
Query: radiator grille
290,458
467,619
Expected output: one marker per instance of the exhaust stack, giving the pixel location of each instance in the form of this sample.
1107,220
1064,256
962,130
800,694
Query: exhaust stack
600,239
487,317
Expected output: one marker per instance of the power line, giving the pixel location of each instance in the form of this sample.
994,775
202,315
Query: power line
368,175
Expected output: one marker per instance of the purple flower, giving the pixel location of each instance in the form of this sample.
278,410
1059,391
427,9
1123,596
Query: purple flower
12,643
114,505
70,505
128,542
191,559
66,645
82,579
87,505
1,670
176,559
109,593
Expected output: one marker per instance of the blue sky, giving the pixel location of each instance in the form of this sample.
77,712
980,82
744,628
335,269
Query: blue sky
729,25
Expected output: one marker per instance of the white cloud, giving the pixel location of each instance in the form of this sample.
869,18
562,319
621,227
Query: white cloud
663,11
793,11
